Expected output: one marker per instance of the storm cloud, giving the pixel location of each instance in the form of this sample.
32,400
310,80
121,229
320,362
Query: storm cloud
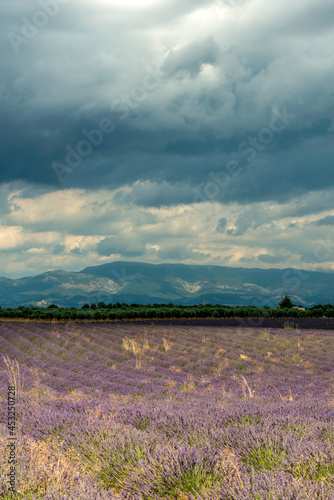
193,131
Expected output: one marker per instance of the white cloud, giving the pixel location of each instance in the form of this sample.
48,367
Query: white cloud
256,235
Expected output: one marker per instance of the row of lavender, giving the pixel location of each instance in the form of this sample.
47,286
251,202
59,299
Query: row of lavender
95,357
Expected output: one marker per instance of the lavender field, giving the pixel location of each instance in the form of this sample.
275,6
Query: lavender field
127,411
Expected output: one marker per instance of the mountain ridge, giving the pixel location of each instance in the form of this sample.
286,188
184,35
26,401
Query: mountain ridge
137,282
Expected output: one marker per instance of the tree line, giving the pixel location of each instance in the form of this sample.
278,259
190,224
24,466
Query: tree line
123,311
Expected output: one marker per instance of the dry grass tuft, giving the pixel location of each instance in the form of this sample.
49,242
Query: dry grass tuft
291,326
249,393
137,348
167,345
228,465
127,344
220,351
175,368
170,383
13,373
188,387
43,464
288,398
146,347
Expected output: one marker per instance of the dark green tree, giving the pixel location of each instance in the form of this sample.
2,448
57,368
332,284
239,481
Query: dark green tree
286,302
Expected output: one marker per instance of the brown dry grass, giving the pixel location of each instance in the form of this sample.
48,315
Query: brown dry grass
13,373
41,464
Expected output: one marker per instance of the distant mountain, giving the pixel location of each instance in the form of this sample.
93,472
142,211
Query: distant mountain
135,282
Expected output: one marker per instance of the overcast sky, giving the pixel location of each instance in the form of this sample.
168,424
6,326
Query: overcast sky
193,131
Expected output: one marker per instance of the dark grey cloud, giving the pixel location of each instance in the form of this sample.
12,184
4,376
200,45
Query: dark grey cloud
154,194
177,252
326,221
222,223
58,249
191,125
191,58
112,245
246,220
312,261
270,259
77,251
